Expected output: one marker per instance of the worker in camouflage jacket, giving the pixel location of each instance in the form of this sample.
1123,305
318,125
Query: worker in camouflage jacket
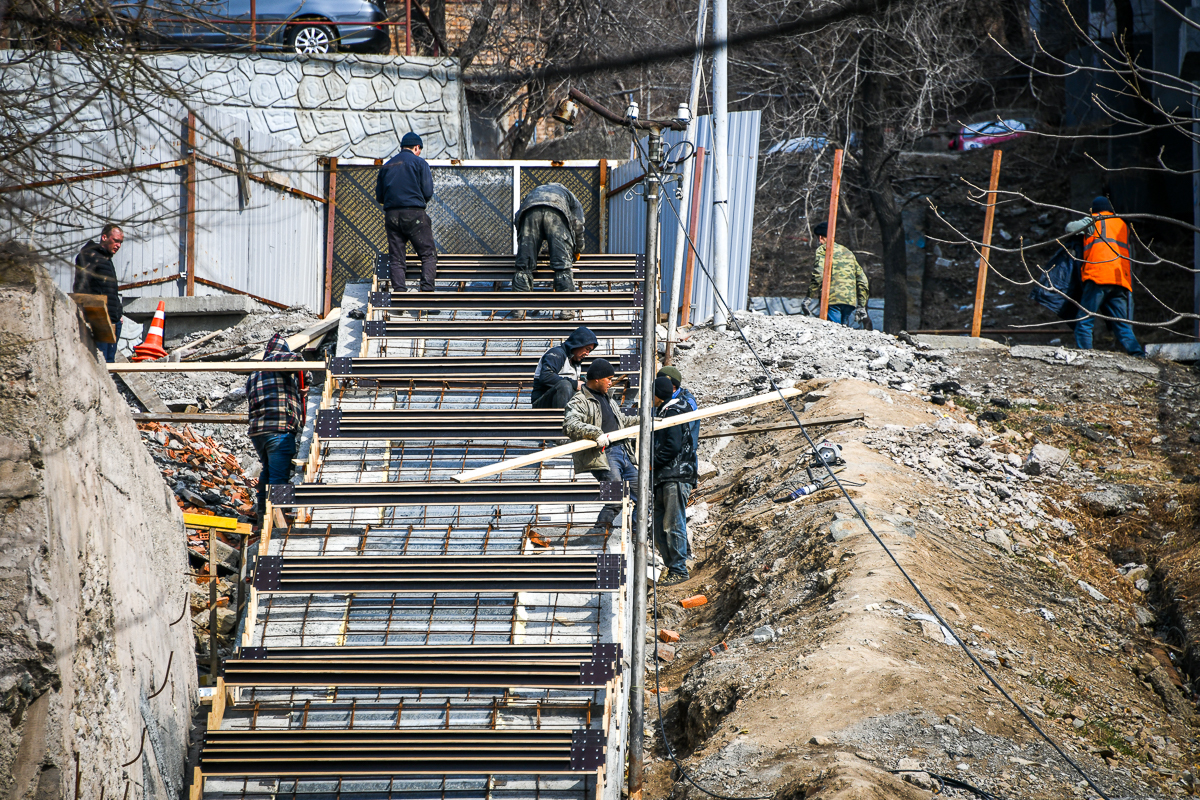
589,414
551,214
848,287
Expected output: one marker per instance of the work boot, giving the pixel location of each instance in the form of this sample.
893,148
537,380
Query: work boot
522,281
564,281
673,578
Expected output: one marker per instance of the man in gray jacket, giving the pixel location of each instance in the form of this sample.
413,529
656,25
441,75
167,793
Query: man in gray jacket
550,213
589,414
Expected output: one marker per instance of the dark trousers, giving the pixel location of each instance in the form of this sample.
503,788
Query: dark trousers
542,224
410,226
556,396
275,451
620,468
1111,301
670,524
109,351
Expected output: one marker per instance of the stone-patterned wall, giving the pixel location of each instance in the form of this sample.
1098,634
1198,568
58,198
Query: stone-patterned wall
339,105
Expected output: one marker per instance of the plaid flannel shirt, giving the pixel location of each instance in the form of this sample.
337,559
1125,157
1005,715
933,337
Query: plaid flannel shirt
276,404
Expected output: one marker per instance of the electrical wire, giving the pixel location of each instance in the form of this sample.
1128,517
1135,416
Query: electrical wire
654,168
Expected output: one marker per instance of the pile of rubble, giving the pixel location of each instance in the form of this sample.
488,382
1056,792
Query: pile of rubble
206,477
802,348
228,558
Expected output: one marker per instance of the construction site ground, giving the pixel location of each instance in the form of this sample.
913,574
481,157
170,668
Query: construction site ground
1027,507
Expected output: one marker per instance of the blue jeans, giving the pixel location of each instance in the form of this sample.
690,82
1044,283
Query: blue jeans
275,451
841,314
620,468
1111,301
109,351
670,524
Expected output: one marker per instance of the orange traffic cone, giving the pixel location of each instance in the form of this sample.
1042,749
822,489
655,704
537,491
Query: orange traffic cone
152,348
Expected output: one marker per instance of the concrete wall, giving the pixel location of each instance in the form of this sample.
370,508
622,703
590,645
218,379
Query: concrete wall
92,570
338,105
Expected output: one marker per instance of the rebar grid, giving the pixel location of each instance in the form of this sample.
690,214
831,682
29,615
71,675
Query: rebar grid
390,709
489,539
495,787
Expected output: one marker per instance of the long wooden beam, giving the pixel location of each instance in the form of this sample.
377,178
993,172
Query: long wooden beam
783,426
624,433
218,366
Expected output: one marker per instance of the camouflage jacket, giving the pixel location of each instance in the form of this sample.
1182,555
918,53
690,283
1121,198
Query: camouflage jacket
847,283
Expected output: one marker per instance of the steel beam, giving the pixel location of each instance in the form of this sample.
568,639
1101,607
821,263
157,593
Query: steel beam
415,493
605,267
504,424
298,752
475,370
602,572
427,328
629,302
434,667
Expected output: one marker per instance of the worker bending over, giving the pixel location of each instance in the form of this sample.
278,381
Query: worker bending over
674,475
551,214
558,372
1107,277
848,287
276,418
589,414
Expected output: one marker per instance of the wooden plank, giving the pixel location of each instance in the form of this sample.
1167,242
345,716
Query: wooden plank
625,433
831,225
298,341
782,426
177,355
141,388
988,218
207,418
218,366
95,311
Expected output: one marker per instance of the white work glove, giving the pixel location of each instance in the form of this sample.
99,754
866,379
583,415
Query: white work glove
603,440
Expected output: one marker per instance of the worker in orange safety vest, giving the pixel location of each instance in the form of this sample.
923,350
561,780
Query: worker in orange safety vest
1107,278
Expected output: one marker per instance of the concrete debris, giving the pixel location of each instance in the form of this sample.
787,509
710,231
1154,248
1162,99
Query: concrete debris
999,539
1044,459
204,475
1093,592
764,634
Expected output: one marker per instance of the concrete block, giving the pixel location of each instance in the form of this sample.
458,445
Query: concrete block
1175,351
958,342
186,315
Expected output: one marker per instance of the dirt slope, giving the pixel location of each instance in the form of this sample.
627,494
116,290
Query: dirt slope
847,678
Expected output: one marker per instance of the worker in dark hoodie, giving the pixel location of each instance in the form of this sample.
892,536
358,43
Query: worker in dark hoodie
559,372
276,418
674,476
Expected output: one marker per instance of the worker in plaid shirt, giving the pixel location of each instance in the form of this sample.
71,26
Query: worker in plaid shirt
276,418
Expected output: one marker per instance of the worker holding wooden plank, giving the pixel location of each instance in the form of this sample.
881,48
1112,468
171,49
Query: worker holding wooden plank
675,470
96,274
590,414
848,287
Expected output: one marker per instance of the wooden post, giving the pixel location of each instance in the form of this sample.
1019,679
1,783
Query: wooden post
685,296
829,234
408,27
989,218
214,661
602,205
189,212
330,206
253,26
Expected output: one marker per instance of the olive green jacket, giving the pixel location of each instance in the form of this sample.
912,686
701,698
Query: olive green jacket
582,420
847,283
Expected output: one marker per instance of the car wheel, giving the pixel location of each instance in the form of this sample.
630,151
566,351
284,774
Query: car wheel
310,38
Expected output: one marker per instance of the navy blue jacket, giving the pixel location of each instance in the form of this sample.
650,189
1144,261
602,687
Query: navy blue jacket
404,182
674,455
556,365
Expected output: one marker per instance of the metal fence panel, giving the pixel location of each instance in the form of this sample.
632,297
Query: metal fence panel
472,209
627,210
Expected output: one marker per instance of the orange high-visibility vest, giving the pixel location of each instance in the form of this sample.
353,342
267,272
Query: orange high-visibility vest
1106,252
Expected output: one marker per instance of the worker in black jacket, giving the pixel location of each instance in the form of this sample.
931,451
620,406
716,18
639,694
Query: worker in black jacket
404,188
95,274
674,476
559,371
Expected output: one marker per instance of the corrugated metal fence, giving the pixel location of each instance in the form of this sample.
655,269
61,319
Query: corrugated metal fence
627,211
268,244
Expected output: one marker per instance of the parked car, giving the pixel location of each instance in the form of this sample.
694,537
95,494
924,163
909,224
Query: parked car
985,134
298,26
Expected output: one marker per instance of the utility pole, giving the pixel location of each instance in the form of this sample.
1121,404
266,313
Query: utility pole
641,533
720,158
689,187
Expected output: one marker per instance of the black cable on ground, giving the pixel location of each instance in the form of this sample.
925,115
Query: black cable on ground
652,167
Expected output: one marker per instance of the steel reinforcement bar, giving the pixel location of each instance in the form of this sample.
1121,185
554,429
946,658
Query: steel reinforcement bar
616,268
628,302
495,370
395,753
602,572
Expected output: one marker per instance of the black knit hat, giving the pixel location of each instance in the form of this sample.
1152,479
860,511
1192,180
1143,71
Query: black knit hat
411,139
600,369
663,388
821,229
